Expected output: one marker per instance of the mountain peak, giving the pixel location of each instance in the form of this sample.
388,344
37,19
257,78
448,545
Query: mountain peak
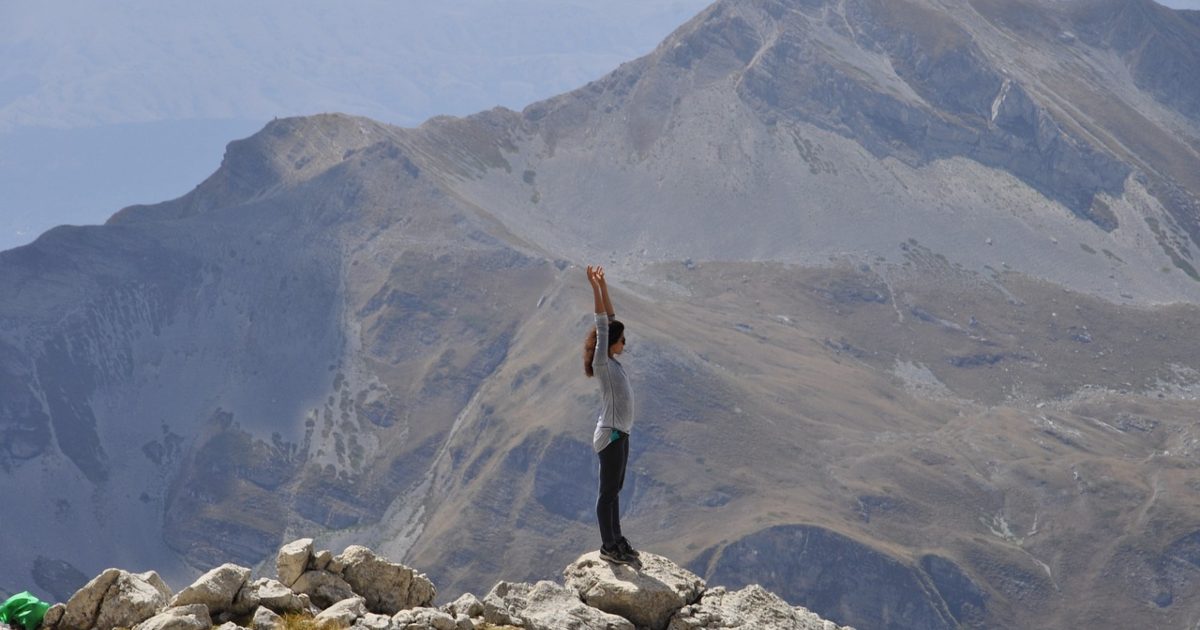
284,152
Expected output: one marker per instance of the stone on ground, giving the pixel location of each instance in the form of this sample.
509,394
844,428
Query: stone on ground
647,595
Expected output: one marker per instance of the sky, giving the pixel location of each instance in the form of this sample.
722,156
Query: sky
1182,4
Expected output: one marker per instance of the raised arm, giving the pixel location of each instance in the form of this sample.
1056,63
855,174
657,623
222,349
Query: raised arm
600,354
595,277
608,307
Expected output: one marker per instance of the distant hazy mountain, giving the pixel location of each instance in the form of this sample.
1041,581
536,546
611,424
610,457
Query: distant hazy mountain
911,289
102,105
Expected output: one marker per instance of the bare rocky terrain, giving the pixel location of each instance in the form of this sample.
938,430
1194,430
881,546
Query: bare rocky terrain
910,288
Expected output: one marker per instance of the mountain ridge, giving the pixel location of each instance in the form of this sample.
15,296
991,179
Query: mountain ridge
928,365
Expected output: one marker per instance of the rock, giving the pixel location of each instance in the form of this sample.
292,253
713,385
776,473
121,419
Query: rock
215,589
114,598
324,588
550,606
343,613
81,610
320,562
190,617
467,604
266,619
424,619
751,607
496,613
292,560
647,596
270,593
53,615
388,587
229,625
372,621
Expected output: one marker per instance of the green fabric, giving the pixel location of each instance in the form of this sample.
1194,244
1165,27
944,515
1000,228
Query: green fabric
24,609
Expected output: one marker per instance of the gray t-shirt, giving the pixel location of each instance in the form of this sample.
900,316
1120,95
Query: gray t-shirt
617,410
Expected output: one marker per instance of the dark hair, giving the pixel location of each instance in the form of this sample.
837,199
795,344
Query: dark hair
616,330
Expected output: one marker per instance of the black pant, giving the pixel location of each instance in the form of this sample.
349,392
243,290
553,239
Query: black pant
612,478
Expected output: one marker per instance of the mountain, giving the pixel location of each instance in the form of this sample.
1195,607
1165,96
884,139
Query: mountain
909,286
104,106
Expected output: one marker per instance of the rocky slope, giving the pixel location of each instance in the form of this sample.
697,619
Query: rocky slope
896,276
359,589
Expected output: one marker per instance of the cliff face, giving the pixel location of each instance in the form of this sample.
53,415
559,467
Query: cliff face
892,271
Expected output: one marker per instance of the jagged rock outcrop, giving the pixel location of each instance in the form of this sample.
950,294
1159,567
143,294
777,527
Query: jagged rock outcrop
550,606
647,596
113,598
216,589
751,607
387,587
659,595
292,560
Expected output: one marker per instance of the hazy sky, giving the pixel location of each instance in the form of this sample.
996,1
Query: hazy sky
1182,4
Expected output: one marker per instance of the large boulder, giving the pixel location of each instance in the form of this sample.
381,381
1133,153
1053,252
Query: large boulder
342,614
550,606
466,604
266,619
387,586
190,617
647,595
751,607
292,560
323,588
114,598
216,589
269,593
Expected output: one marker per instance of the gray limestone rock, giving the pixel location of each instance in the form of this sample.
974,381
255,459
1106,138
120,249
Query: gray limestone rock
266,619
467,604
324,588
648,596
114,598
321,560
372,621
215,589
387,586
751,607
344,613
292,560
190,617
550,606
229,625
269,593
424,619
53,615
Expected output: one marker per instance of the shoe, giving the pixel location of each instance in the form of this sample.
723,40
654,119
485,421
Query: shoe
626,548
615,555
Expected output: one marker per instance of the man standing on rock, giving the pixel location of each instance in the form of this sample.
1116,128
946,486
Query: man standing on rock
611,437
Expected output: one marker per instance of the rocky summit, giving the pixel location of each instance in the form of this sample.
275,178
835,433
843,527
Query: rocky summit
359,589
910,289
